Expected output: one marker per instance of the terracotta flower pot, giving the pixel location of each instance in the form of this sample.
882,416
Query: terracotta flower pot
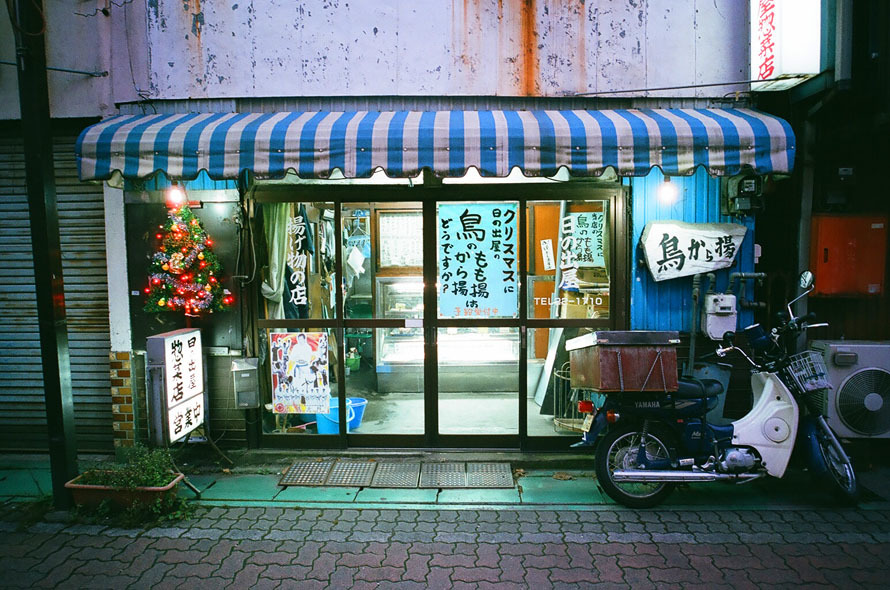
92,495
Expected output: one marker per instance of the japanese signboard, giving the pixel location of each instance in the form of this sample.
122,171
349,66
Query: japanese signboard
785,39
298,247
182,357
587,234
299,363
478,246
675,249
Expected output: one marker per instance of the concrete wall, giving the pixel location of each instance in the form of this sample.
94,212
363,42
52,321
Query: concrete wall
179,49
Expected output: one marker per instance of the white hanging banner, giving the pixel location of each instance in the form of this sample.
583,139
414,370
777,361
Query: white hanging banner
675,249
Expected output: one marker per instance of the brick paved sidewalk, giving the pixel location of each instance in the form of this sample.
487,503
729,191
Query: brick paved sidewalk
291,548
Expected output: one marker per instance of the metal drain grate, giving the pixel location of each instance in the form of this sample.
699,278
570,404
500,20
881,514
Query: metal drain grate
306,473
396,475
351,474
443,475
489,475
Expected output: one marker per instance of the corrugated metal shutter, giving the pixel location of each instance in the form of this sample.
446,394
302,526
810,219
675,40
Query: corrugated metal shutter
82,229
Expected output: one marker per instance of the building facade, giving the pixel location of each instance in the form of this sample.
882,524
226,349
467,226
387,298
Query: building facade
413,205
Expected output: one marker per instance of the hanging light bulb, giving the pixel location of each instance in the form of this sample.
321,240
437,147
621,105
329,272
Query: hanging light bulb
175,196
667,192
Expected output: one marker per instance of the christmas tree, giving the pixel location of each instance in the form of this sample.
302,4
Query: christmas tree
184,271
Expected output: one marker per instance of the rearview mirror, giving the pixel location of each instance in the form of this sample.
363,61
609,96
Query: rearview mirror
806,279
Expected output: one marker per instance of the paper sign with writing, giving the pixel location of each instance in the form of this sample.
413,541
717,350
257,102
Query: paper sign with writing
478,245
299,363
675,249
588,229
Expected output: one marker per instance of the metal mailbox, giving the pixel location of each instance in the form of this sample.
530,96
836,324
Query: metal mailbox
632,360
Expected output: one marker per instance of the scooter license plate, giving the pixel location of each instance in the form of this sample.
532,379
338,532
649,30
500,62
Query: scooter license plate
588,422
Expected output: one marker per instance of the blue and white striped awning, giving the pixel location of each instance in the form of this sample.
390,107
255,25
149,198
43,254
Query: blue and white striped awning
402,143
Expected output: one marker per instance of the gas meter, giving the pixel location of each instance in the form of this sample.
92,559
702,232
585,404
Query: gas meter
718,315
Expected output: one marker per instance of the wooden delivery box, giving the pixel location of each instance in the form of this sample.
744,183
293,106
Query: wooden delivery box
624,361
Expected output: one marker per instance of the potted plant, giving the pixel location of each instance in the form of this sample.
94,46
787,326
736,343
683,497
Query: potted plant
143,477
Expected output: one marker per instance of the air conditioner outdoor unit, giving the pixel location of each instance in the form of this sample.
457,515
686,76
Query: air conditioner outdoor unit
859,404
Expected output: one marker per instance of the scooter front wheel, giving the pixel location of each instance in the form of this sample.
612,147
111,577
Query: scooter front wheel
619,450
838,467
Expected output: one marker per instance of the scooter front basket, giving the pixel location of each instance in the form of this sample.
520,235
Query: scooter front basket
806,372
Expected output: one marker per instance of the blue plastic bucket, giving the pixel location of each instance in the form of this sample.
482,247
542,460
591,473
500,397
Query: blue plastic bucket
330,423
358,404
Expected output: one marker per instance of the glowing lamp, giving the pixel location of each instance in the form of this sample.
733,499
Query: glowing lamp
175,197
667,192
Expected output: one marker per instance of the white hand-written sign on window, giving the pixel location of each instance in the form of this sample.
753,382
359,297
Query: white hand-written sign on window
675,249
478,245
296,259
588,238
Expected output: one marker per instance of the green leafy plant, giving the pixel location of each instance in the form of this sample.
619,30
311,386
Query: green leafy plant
140,467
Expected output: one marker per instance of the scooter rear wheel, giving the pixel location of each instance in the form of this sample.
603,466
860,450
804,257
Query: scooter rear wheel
838,468
618,450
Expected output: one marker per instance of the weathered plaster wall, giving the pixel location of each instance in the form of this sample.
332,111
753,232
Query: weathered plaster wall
202,49
78,36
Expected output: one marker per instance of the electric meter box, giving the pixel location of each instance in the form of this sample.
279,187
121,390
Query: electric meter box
719,315
247,383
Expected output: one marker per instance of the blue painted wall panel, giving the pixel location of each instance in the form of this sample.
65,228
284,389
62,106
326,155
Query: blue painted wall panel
203,182
667,305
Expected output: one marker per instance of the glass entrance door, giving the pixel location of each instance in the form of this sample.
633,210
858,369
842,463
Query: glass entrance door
383,259
428,323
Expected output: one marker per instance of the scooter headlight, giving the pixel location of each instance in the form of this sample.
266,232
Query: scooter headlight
757,337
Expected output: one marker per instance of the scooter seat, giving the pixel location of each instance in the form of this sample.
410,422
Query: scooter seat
690,388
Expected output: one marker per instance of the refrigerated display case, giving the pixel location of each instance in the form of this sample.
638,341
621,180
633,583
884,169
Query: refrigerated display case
466,355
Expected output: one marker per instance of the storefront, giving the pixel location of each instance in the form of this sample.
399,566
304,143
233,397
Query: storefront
426,305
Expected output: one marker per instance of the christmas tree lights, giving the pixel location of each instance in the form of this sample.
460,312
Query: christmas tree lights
183,274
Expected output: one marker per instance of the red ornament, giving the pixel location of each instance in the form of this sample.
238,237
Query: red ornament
209,242
156,281
159,236
148,290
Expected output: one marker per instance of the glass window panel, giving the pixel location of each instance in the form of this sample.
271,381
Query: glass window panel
551,401
295,259
387,379
478,380
382,245
569,241
478,247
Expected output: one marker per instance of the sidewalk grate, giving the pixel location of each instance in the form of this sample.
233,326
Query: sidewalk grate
354,474
489,475
443,475
306,473
360,474
396,475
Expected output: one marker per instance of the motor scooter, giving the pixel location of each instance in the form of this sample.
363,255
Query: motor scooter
654,441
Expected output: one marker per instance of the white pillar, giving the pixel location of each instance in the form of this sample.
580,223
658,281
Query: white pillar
116,260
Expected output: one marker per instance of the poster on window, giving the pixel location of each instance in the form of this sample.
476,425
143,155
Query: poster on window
587,240
299,363
675,249
478,260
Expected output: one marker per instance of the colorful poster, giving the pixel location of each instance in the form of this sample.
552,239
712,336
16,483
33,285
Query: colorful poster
299,362
478,260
